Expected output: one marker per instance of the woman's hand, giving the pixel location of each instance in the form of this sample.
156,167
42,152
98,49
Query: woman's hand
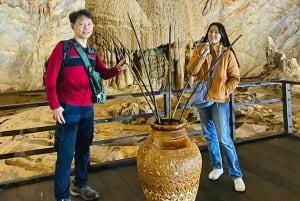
122,65
58,115
204,51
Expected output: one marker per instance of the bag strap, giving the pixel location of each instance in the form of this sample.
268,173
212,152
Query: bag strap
213,73
87,64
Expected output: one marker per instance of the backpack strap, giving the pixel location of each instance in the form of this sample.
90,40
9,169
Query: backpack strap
91,50
65,58
66,51
66,55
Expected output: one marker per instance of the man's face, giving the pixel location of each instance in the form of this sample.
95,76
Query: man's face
83,27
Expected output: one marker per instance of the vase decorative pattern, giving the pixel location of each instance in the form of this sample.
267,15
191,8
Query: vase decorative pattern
169,163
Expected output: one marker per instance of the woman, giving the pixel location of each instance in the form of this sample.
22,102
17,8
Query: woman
215,118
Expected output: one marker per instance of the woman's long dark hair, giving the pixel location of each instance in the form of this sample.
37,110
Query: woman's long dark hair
224,38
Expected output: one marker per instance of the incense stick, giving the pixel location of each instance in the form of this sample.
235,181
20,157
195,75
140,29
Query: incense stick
170,65
136,74
147,71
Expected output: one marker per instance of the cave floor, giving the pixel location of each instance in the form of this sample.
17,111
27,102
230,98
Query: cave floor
270,167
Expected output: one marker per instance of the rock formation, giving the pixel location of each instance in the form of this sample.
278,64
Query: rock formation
30,29
278,66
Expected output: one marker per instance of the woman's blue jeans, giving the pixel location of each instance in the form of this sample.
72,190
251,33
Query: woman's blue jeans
73,139
216,130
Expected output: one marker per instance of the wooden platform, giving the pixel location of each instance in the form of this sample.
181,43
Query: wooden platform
271,170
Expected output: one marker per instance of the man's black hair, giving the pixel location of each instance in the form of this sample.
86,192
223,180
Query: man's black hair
74,15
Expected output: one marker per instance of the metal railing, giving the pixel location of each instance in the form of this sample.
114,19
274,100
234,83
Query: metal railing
285,99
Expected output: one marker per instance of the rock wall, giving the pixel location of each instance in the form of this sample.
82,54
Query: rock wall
28,32
30,29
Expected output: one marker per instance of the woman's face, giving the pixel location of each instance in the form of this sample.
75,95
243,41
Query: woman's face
214,36
83,27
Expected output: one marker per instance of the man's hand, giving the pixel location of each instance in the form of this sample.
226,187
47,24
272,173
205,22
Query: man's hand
122,65
58,115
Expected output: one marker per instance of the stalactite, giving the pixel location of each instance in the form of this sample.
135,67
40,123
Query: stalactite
207,7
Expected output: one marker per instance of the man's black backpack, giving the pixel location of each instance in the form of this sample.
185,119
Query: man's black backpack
66,55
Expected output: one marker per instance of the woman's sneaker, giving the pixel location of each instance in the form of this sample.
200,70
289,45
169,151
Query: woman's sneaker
85,192
215,174
239,185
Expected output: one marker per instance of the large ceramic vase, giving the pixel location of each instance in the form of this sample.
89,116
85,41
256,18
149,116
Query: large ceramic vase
169,163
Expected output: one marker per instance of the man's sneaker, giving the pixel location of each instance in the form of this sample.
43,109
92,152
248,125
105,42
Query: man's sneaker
239,185
85,192
215,174
64,199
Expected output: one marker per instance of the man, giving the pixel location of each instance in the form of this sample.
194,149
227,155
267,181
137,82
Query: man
70,99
